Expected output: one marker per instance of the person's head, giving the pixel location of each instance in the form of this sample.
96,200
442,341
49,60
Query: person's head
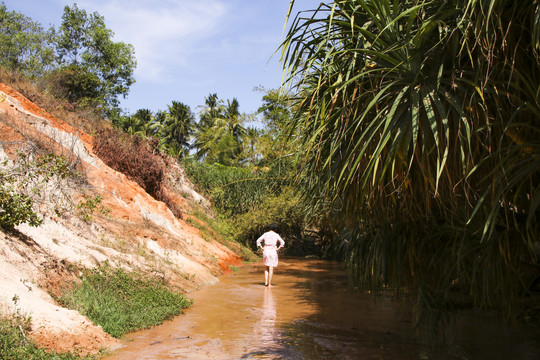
273,227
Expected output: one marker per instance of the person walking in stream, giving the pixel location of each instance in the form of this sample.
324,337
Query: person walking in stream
270,249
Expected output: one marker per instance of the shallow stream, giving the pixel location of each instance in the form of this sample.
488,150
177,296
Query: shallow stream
309,313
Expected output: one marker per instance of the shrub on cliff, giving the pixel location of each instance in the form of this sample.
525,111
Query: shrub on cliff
23,183
131,156
135,158
16,209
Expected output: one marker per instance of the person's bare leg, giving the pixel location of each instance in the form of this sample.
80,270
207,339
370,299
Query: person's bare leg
266,276
270,273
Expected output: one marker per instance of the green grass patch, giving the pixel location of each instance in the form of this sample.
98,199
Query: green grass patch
15,345
219,229
122,302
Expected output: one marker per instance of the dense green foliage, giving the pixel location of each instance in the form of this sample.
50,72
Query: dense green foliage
251,198
172,128
79,59
287,212
233,190
418,127
121,302
24,44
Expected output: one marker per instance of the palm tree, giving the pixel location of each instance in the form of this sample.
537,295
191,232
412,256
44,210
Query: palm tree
212,110
236,123
220,132
418,128
177,127
142,123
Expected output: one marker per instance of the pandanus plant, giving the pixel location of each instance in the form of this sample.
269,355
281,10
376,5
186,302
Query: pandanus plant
418,137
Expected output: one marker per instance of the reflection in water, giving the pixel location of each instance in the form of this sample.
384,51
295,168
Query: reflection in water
310,313
265,330
268,320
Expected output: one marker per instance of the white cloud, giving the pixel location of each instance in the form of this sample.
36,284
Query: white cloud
162,31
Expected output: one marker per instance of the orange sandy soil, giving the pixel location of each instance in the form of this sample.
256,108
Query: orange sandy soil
138,233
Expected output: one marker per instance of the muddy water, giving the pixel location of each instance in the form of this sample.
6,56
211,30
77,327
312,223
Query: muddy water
308,314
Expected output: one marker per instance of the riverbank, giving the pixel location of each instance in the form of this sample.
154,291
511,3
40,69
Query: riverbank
95,215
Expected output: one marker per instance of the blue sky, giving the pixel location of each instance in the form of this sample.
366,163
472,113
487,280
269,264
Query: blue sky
187,49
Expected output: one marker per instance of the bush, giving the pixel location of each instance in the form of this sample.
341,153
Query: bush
75,84
232,190
23,182
135,158
16,209
252,198
122,302
131,156
284,210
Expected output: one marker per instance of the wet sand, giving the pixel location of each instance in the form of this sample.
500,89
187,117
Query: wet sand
310,313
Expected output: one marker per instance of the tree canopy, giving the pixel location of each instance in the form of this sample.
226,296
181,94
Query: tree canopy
82,61
24,44
85,48
220,133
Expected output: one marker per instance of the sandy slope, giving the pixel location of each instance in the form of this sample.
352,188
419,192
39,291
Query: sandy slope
138,233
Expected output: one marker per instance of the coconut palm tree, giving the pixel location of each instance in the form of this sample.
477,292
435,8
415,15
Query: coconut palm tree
220,132
177,127
212,110
418,128
142,123
235,121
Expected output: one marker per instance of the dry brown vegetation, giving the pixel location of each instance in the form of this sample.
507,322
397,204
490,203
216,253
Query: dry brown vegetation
135,158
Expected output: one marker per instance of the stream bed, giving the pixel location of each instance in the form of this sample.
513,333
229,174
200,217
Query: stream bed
311,313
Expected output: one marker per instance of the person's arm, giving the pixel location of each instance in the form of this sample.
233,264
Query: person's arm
259,240
281,242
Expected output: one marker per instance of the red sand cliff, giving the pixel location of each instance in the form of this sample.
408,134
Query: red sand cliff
138,233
